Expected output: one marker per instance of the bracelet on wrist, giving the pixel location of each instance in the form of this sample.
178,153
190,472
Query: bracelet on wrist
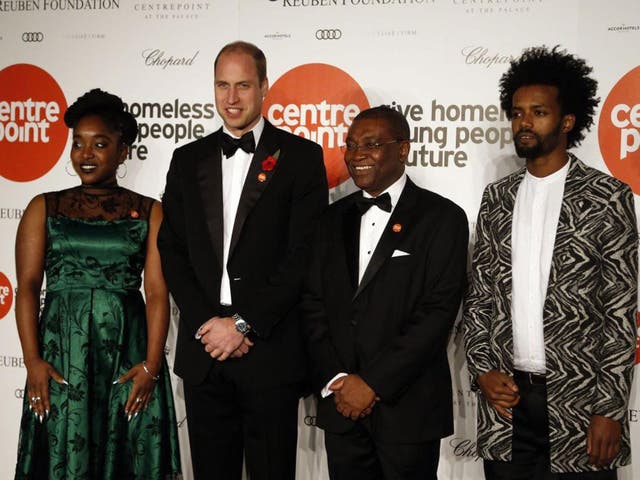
154,377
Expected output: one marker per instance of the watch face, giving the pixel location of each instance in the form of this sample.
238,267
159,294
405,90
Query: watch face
241,326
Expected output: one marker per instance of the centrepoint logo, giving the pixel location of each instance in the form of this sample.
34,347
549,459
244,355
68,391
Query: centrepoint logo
32,131
619,130
319,102
6,295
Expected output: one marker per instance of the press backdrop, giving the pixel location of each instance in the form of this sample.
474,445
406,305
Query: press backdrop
437,61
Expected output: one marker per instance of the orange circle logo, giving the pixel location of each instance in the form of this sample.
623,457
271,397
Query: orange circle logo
317,101
619,130
32,130
6,295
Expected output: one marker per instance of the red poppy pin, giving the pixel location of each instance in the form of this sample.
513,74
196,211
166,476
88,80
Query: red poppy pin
269,163
397,228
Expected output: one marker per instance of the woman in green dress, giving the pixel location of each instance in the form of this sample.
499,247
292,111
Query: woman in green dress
98,401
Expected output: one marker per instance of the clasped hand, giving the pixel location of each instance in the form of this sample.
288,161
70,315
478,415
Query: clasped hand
501,391
353,397
221,340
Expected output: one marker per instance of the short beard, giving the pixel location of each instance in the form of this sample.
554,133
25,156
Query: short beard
532,152
542,146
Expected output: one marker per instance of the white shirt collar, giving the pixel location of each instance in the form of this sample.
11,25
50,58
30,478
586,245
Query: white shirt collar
394,190
257,130
551,178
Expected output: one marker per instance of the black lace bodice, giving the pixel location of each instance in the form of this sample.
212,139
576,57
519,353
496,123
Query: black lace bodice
87,203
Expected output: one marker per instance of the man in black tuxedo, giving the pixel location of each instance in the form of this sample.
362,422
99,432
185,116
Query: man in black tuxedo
381,296
238,209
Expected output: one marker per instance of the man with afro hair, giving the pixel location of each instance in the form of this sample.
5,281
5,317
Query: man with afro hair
549,319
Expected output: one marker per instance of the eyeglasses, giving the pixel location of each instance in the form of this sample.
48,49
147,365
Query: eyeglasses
367,147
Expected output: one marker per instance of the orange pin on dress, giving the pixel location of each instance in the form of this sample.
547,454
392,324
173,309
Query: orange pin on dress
262,177
134,214
396,227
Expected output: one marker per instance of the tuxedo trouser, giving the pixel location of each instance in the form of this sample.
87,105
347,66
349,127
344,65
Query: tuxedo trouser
356,455
226,420
530,457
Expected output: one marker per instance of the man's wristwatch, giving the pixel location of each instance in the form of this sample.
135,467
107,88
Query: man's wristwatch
241,325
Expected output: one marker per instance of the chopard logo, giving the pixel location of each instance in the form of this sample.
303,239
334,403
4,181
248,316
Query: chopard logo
328,34
479,55
158,58
32,36
464,447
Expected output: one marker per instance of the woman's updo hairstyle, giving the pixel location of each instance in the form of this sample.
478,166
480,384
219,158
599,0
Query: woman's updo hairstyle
108,107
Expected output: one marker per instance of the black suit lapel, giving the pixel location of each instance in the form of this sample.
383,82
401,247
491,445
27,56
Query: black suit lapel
209,177
399,225
351,237
257,179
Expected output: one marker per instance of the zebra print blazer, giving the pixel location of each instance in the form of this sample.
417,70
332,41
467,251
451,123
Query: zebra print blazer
589,312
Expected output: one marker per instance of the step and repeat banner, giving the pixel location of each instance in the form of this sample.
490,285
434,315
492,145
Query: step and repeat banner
436,61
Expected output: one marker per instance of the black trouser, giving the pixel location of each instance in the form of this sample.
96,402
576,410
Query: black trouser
357,455
530,447
226,420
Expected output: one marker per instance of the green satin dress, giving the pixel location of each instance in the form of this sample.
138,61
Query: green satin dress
92,330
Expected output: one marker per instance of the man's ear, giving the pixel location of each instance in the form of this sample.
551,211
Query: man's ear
568,122
405,147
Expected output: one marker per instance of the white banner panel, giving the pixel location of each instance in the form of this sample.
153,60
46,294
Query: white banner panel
437,61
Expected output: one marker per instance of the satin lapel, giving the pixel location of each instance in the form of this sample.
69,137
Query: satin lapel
257,179
209,178
399,224
351,238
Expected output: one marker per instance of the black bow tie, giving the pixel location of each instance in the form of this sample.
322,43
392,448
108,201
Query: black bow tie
381,201
230,145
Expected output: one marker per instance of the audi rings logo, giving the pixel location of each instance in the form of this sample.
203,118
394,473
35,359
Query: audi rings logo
32,36
310,421
328,34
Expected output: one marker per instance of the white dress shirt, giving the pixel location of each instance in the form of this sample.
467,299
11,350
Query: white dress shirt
373,222
234,174
533,234
372,225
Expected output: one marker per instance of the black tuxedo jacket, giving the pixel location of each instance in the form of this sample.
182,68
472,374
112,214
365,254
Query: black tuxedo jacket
268,254
392,328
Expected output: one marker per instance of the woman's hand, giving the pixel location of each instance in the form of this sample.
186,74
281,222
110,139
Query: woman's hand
141,390
39,373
